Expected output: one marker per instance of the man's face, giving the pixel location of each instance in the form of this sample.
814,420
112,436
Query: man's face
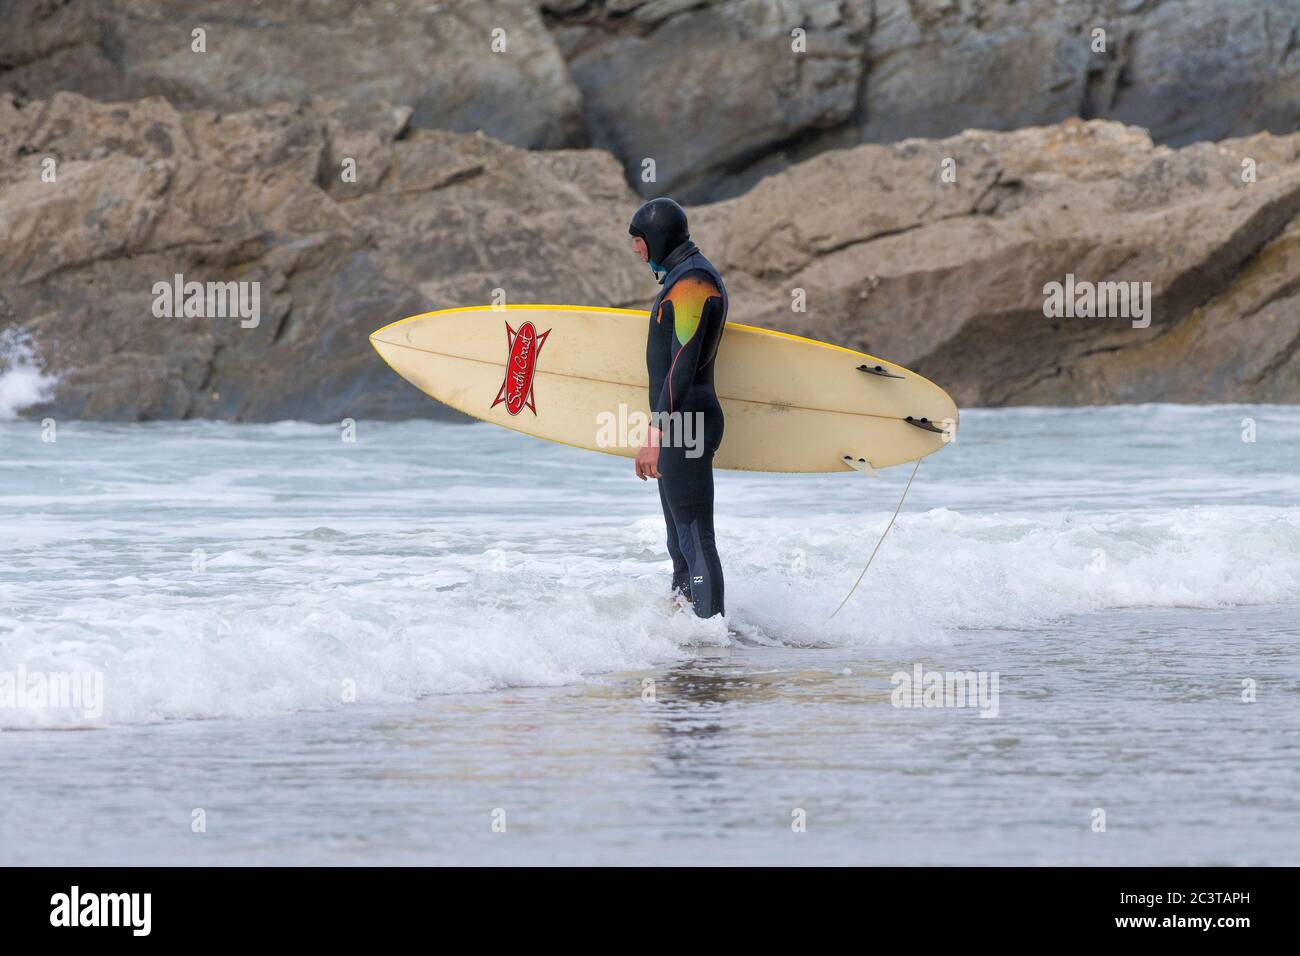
640,248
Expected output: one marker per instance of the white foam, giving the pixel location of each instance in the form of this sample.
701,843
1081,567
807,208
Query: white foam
287,624
438,558
23,382
943,571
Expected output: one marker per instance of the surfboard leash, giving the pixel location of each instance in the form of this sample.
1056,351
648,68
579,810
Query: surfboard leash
906,489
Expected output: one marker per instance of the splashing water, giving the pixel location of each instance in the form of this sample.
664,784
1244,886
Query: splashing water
404,632
23,381
245,570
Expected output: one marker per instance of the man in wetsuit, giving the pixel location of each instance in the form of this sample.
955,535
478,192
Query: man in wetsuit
686,323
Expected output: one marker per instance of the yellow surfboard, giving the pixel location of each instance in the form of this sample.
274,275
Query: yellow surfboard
577,375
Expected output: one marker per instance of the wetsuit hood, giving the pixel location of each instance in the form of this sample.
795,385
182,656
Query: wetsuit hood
677,256
662,224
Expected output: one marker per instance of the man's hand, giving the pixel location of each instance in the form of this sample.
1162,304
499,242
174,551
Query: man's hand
647,459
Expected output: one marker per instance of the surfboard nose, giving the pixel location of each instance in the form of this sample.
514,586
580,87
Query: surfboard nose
389,350
383,335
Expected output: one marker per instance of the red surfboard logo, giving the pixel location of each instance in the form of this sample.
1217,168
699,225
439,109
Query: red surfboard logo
521,364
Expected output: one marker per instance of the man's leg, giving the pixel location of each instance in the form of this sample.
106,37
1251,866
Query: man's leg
687,489
681,578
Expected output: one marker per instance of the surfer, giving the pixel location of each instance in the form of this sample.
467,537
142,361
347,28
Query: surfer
686,324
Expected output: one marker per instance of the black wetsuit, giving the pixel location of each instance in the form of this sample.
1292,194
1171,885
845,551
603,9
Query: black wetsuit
686,326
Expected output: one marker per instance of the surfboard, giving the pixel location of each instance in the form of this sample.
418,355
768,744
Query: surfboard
577,375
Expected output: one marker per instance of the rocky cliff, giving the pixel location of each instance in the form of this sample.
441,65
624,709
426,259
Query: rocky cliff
325,151
717,93
934,253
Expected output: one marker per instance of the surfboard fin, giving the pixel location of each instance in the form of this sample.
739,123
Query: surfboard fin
924,423
878,370
862,465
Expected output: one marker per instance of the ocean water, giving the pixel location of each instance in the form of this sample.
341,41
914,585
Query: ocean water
444,643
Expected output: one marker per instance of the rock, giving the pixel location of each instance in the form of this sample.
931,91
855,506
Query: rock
145,192
1207,71
716,95
939,69
706,90
717,92
436,58
1242,344
946,277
